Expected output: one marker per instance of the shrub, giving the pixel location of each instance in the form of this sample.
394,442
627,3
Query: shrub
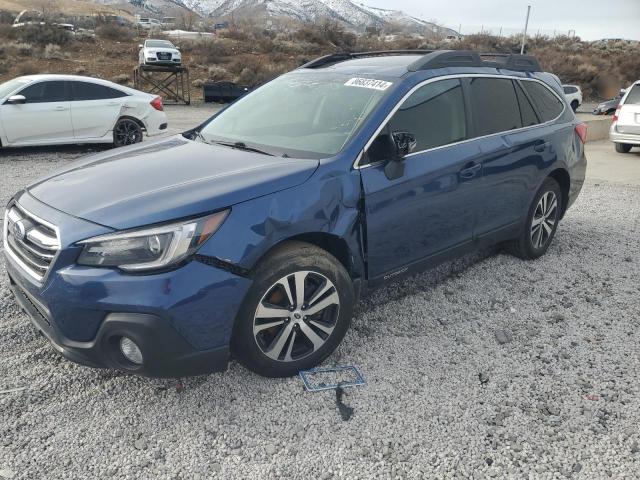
198,83
25,49
41,35
114,32
122,79
247,76
217,73
27,68
53,52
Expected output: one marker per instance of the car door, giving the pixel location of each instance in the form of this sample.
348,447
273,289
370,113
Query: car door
95,109
430,209
44,118
509,157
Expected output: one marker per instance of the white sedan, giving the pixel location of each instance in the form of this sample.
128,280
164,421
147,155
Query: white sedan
159,52
68,109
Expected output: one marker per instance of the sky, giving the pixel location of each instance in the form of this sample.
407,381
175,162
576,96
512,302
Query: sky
591,19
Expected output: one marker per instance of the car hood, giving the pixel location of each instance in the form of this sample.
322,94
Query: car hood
165,180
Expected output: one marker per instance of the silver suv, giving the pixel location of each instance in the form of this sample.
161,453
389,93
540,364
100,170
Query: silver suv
625,129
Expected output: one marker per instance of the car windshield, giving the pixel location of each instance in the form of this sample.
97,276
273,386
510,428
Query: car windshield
159,44
304,115
9,87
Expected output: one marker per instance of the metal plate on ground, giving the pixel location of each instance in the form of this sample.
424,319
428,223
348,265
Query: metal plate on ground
331,378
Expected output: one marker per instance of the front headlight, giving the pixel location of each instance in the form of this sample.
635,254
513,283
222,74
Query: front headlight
150,248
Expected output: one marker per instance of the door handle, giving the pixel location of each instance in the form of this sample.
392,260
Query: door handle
61,109
113,104
541,147
470,171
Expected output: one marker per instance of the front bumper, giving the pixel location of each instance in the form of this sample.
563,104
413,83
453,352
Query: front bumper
165,352
181,319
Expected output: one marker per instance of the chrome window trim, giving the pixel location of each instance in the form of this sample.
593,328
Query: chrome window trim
32,273
356,163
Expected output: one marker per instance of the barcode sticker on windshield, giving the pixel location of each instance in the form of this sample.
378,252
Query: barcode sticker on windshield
369,83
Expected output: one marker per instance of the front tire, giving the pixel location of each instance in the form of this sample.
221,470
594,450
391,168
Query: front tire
296,312
623,147
541,224
126,132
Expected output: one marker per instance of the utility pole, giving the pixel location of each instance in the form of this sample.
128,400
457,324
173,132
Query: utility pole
524,34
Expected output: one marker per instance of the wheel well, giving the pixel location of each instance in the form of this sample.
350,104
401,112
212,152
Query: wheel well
326,241
562,177
138,121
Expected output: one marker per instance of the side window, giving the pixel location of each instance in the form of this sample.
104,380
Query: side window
93,91
548,105
634,96
494,105
570,89
434,113
528,114
46,92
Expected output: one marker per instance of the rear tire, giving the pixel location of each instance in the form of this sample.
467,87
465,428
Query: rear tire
541,223
126,132
574,105
296,312
623,147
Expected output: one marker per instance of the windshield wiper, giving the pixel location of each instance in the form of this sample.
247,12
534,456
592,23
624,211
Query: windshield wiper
244,146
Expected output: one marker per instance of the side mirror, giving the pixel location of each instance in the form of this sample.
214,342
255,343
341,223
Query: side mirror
16,100
140,46
404,143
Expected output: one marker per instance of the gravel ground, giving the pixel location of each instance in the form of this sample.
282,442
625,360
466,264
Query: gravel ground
485,367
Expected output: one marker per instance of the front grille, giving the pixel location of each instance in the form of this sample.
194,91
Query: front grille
164,56
32,242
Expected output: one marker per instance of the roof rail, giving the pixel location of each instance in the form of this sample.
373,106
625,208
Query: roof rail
341,57
440,59
469,58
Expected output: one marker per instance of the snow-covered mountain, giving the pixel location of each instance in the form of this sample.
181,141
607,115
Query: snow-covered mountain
350,13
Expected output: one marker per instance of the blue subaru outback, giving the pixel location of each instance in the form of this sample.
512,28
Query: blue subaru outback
254,234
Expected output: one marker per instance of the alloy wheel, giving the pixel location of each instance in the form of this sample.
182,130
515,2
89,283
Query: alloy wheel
544,220
296,316
127,132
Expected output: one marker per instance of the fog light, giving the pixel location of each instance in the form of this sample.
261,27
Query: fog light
131,351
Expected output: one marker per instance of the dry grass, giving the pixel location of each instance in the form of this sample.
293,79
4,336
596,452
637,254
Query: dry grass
251,55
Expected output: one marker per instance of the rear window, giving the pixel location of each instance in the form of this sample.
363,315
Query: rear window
494,105
92,91
528,114
548,105
634,96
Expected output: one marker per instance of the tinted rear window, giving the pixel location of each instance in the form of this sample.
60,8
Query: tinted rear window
93,91
528,114
634,96
494,105
548,105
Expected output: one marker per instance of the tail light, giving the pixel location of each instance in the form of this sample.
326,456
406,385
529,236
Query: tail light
616,115
157,104
581,131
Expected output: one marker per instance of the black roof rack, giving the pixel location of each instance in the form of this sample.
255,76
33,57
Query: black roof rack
441,59
469,58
